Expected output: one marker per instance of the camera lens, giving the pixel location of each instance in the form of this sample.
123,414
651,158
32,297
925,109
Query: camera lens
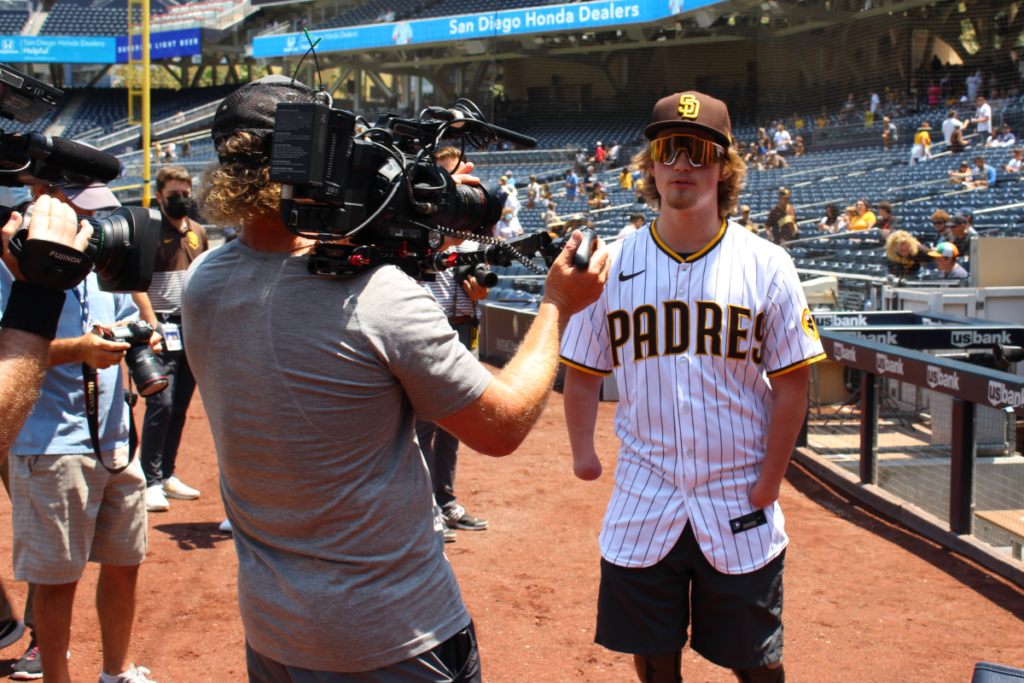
485,277
147,372
475,208
110,244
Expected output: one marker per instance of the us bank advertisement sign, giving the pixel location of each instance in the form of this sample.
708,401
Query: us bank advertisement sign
65,49
582,16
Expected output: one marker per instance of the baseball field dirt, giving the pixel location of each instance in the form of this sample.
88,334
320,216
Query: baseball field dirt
865,599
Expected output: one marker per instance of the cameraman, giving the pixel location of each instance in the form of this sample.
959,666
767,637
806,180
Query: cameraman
312,386
459,302
71,507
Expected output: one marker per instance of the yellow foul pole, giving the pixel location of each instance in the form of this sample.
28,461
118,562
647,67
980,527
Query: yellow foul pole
138,86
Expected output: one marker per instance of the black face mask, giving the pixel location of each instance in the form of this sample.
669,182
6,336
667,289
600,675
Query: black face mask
177,205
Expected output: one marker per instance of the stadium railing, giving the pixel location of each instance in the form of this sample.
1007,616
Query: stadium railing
905,416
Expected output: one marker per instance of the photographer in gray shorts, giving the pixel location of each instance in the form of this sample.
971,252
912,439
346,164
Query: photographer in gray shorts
71,507
312,386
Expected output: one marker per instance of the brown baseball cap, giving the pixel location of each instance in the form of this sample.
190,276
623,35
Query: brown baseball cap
691,109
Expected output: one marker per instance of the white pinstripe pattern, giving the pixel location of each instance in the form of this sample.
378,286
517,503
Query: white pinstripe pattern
693,427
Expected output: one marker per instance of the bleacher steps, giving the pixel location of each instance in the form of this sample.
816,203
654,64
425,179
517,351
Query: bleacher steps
66,114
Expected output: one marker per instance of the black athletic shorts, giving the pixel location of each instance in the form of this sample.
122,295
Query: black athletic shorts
736,618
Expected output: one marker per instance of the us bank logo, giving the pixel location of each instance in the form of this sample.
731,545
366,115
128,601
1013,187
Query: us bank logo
998,393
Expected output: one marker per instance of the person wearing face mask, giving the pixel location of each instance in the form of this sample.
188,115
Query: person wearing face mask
182,240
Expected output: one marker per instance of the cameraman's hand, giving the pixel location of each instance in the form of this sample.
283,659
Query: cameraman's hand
474,290
571,290
461,174
53,221
99,353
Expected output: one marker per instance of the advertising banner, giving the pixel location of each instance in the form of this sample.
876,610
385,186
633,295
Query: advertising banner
96,49
63,49
583,16
163,45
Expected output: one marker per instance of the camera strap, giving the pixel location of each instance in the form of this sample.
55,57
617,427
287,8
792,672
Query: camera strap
90,380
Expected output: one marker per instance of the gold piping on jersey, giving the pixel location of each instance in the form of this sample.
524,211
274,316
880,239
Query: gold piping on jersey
799,364
584,368
694,256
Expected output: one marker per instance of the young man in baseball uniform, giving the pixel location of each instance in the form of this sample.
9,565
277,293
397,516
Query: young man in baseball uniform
707,332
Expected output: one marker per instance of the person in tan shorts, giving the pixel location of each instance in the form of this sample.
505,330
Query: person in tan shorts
76,496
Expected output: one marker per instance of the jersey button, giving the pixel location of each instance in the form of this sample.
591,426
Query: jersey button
686,407
690,453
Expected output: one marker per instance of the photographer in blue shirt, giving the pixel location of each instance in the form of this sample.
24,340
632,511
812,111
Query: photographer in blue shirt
69,506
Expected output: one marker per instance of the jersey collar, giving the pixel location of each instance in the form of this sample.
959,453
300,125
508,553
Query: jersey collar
696,255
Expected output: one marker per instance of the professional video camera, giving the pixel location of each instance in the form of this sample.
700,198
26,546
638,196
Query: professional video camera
1007,355
383,191
123,247
147,371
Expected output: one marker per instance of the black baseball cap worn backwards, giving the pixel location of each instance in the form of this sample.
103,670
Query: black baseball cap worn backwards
251,109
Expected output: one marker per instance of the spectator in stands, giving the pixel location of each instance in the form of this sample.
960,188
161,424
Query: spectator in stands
830,220
934,93
613,155
545,193
874,102
778,212
510,178
171,152
764,142
598,198
1013,165
974,83
550,215
637,219
600,156
746,221
948,124
961,176
182,240
787,230
968,213
1004,139
625,179
865,218
186,148
590,180
886,221
572,186
798,146
508,227
753,157
983,119
888,133
581,162
961,234
532,192
945,256
984,175
904,254
940,223
957,144
849,110
846,220
775,160
921,151
783,141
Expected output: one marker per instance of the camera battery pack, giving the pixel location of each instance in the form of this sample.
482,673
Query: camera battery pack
311,146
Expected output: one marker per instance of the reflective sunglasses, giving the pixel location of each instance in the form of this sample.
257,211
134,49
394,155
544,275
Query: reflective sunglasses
699,151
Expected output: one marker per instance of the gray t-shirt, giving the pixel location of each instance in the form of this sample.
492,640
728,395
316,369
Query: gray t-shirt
312,386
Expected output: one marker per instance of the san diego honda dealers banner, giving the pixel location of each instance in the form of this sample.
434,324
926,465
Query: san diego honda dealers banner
581,16
96,49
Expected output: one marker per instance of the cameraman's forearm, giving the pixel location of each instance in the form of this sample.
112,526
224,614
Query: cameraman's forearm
22,369
498,422
66,350
146,312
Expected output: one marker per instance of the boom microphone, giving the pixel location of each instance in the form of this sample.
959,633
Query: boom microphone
81,159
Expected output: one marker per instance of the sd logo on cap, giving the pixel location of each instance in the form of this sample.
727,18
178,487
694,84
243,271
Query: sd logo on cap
691,109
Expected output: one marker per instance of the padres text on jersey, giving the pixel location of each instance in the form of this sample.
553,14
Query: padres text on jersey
693,343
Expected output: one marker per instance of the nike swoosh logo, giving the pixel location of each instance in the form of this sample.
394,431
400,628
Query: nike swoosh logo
623,277
168,241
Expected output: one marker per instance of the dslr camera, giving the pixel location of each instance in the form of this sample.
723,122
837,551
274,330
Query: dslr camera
122,249
147,372
380,188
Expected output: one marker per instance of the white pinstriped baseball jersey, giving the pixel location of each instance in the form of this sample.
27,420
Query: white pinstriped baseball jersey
690,342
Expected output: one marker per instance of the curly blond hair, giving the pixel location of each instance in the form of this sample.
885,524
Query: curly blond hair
235,193
734,171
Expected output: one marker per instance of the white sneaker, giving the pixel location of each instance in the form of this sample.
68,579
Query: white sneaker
136,674
156,501
225,526
173,488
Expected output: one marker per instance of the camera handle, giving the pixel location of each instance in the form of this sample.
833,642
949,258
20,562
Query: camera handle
582,257
49,264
